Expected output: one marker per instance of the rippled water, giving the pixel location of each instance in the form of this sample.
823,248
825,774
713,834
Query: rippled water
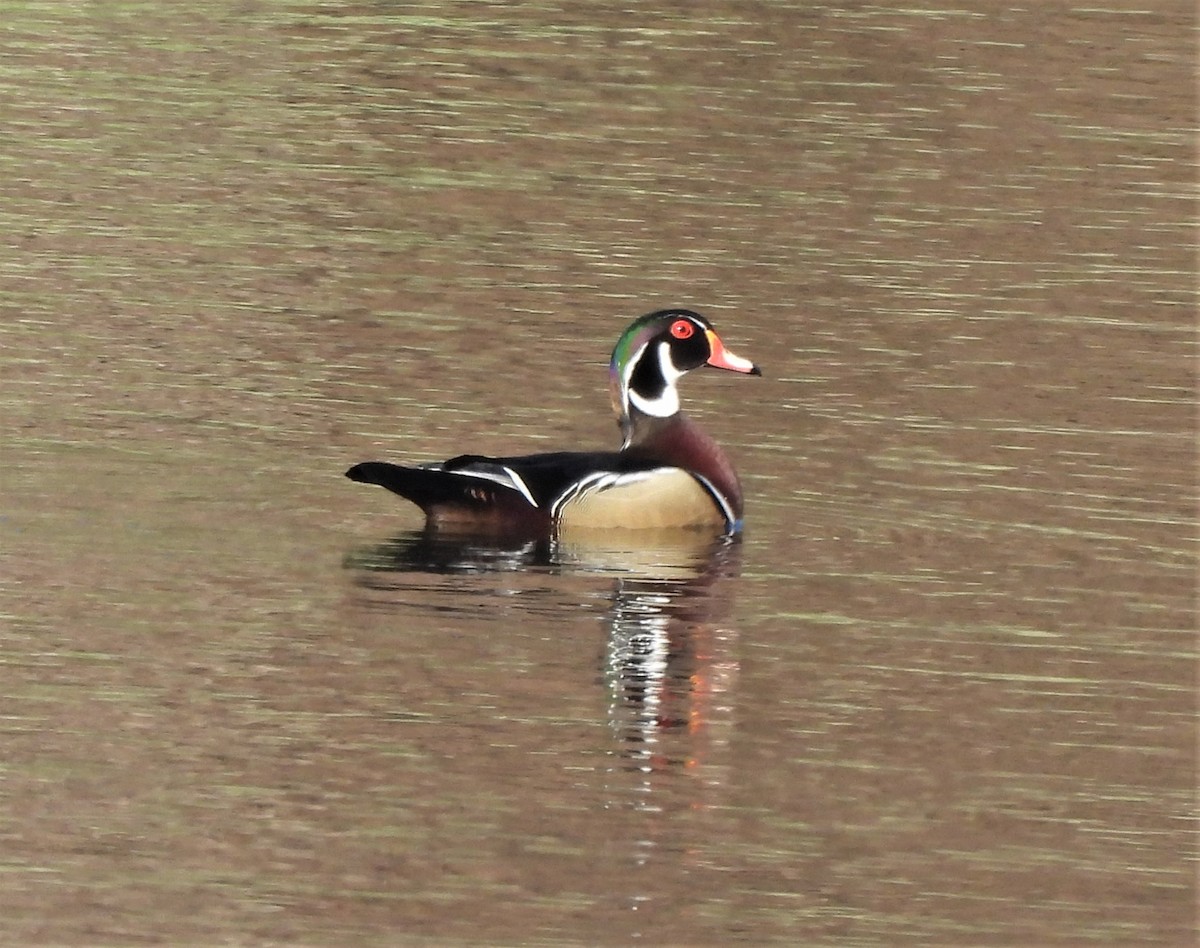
942,692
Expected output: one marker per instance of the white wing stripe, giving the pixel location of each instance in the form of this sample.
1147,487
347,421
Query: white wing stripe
509,479
520,485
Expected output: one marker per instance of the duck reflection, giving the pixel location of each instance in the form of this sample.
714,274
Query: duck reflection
669,670
668,664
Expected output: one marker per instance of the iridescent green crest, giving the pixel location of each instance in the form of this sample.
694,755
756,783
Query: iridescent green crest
633,340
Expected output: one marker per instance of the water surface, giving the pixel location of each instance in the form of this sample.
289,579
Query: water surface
943,690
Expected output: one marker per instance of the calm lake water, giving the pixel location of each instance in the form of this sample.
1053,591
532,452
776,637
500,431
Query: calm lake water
943,690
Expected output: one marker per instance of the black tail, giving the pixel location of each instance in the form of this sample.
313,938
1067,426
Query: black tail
423,487
378,472
431,488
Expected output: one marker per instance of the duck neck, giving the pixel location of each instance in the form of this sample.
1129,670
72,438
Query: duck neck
639,428
644,395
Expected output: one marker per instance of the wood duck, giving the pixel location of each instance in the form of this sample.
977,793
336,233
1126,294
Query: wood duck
667,474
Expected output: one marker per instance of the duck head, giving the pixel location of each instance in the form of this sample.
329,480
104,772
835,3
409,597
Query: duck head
652,355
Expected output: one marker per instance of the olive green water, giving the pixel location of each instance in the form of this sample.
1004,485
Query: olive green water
942,693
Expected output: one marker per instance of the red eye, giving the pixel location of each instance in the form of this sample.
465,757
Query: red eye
682,329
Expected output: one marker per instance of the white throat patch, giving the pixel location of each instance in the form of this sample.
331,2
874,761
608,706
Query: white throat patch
667,404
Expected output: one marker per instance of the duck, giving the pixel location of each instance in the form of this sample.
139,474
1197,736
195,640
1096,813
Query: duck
668,473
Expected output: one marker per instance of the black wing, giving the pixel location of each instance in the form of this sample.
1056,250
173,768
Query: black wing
475,481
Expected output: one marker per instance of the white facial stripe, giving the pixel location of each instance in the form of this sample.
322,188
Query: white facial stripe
631,365
667,404
669,372
627,377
